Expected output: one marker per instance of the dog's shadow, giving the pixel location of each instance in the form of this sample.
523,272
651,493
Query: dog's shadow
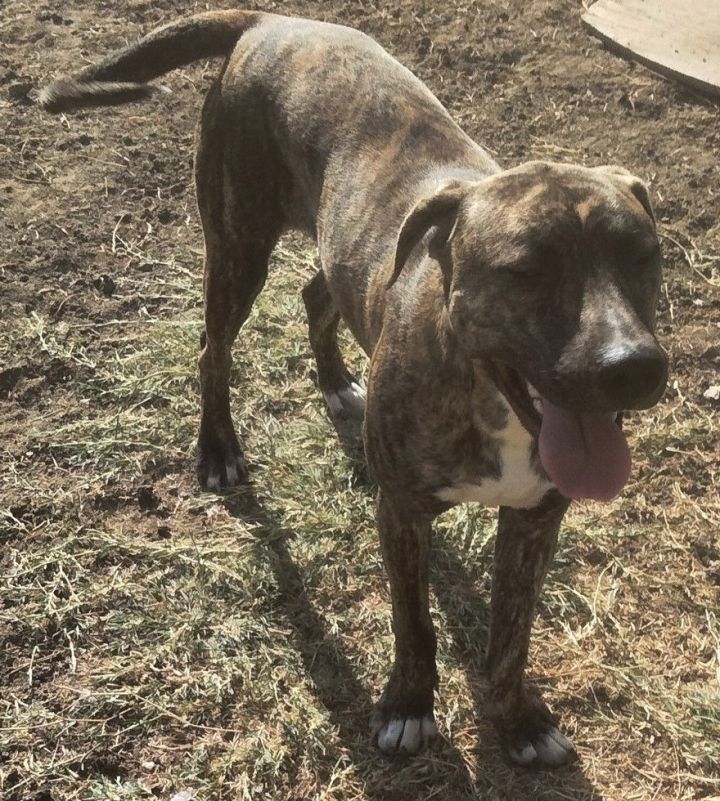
349,434
333,676
467,612
349,702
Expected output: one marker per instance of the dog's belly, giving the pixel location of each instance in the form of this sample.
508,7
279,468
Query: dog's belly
520,485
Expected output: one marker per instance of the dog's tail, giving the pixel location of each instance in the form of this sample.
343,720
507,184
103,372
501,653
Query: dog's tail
122,76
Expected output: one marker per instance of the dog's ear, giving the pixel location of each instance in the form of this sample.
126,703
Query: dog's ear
439,209
633,183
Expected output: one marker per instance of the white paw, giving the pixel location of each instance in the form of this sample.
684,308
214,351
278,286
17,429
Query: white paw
359,389
232,473
334,403
408,735
547,748
347,402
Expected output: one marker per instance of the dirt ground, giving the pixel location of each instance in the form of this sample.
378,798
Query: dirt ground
157,640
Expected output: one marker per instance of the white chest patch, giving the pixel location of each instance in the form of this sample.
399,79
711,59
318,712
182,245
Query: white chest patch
519,486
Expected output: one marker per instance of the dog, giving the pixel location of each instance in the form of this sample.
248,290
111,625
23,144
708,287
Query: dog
508,314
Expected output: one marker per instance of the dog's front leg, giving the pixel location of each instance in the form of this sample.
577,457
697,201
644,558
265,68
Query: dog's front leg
525,545
403,718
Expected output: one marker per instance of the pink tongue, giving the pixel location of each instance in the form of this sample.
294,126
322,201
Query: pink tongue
585,455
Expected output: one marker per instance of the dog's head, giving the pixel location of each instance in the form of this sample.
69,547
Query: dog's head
551,276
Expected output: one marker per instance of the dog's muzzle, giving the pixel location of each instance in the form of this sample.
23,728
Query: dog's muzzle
634,379
580,444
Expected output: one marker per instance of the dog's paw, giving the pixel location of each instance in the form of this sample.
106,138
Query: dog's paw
219,469
530,732
404,735
347,402
544,748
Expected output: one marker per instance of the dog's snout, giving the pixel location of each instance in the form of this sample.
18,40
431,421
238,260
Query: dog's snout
634,378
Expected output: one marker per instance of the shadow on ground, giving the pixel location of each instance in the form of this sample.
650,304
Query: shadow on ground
349,702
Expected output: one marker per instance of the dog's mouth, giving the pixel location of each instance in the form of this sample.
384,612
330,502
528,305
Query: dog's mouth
585,454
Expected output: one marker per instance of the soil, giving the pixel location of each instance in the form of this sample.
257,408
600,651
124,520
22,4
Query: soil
521,76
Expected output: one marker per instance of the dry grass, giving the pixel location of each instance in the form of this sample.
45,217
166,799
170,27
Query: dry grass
161,639
157,640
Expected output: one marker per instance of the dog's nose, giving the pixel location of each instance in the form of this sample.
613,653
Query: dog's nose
634,379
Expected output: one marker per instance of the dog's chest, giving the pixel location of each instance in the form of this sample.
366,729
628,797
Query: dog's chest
520,484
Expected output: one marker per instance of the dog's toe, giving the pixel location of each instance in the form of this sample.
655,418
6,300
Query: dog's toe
408,735
346,402
553,748
216,473
523,753
548,748
234,469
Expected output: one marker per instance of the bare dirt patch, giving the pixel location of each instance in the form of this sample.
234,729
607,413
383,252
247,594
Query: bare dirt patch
158,639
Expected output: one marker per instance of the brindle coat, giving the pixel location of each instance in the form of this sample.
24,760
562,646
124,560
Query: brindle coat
447,270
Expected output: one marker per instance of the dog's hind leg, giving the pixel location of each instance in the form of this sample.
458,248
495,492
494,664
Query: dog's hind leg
234,275
241,221
343,394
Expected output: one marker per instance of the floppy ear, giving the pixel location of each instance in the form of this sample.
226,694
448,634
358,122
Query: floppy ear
633,183
439,209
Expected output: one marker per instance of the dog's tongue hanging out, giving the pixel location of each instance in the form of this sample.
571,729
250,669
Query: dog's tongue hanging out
584,455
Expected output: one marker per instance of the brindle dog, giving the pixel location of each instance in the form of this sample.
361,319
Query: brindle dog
508,314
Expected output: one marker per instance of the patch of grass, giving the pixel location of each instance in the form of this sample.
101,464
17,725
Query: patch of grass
159,639
162,642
